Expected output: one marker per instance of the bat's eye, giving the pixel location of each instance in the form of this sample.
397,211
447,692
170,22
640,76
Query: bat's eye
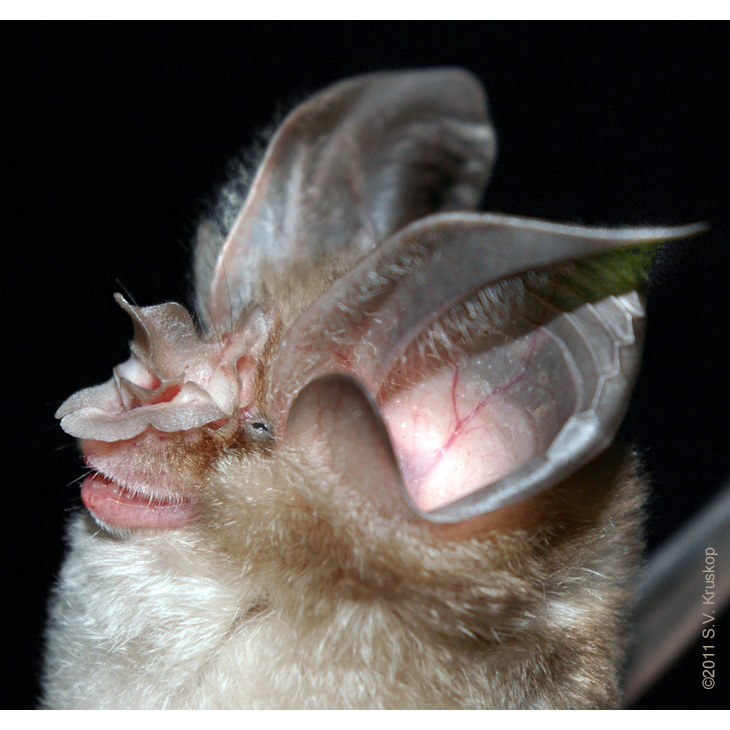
260,430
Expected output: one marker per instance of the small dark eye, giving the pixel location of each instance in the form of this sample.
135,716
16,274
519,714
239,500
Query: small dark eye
260,430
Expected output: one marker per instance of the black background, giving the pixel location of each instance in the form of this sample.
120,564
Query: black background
121,134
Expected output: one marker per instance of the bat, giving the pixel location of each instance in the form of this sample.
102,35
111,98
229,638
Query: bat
378,468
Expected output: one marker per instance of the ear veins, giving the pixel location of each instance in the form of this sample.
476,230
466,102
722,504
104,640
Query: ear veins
454,434
562,512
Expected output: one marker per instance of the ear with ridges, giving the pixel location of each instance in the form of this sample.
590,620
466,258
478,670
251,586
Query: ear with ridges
346,169
568,369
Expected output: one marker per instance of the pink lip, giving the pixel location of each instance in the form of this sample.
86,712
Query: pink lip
119,508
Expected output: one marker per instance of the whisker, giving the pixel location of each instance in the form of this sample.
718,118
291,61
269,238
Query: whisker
80,478
71,445
127,294
230,302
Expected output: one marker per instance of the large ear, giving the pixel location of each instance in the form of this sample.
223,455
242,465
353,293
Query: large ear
494,383
336,419
345,170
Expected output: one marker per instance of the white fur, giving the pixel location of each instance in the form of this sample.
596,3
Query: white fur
192,619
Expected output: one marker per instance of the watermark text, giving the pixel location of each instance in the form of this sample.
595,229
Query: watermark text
708,619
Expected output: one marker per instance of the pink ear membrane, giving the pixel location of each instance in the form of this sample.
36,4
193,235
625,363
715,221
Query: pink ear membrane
487,428
497,426
452,436
426,449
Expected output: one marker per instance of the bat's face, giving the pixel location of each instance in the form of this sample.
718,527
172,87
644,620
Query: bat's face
389,432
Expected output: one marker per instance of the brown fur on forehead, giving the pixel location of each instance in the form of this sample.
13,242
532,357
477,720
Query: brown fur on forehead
343,573
291,289
302,282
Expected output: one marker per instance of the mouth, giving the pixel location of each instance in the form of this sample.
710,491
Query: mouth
116,507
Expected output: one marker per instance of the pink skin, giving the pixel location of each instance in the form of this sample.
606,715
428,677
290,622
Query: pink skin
118,508
451,439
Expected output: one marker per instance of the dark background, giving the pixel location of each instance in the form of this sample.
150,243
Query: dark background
121,134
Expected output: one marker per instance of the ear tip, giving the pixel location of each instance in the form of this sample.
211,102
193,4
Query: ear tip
452,87
433,72
461,84
692,229
464,75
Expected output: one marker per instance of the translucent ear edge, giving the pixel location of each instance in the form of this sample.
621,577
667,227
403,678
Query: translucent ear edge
535,476
583,437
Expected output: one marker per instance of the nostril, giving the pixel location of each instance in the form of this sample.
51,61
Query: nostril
165,395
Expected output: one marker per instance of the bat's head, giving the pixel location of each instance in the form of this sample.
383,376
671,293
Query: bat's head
392,423
494,355
150,433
